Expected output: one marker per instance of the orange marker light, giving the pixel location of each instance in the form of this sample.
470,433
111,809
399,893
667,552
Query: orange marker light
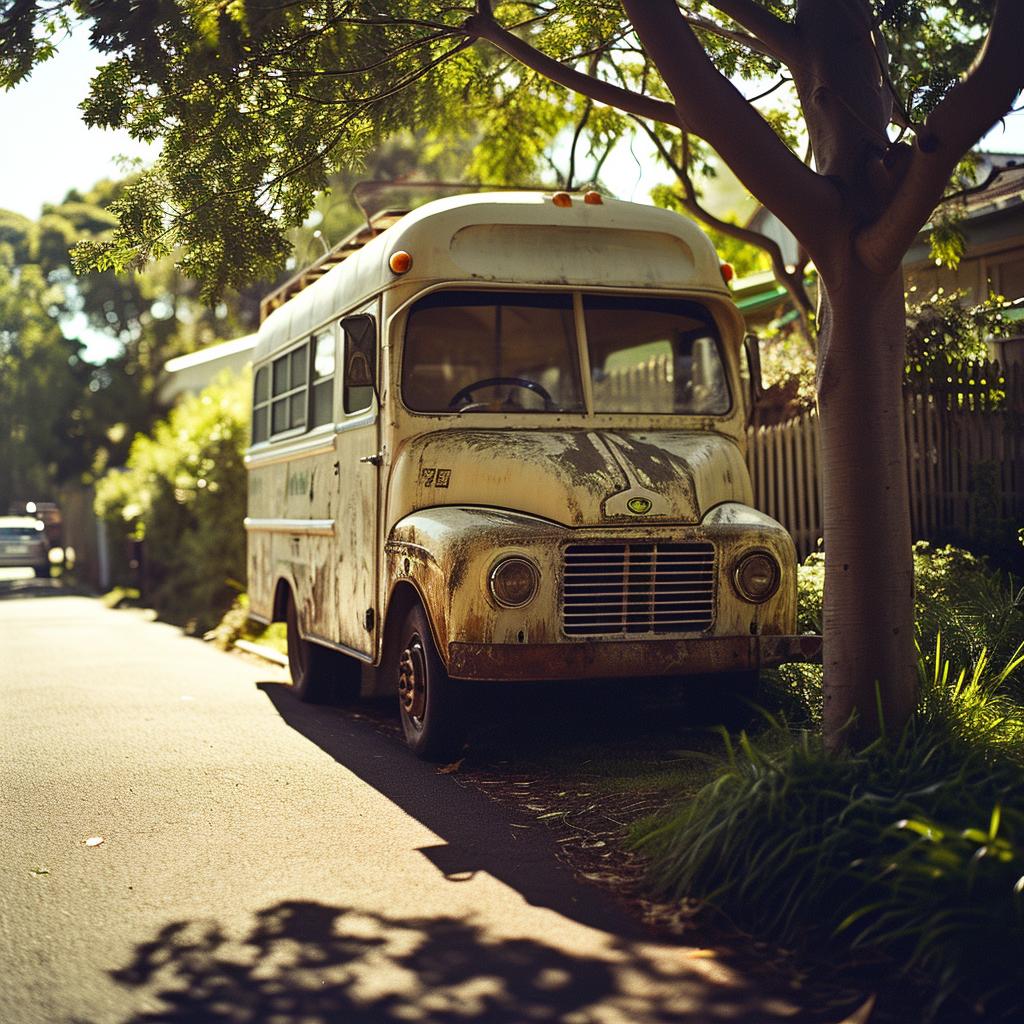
593,199
562,199
400,262
727,272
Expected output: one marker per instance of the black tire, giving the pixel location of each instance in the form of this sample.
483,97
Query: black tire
309,663
432,706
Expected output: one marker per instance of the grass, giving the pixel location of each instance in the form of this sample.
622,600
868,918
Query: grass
236,625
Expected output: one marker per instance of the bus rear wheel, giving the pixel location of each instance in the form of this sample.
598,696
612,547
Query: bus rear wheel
308,662
432,706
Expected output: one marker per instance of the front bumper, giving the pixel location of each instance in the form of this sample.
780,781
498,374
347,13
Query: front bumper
612,659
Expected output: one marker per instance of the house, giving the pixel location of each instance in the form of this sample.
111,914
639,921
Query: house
992,263
994,230
191,373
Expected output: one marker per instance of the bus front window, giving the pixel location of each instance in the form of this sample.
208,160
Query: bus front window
475,351
654,355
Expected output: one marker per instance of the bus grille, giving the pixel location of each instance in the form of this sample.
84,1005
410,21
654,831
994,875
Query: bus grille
625,589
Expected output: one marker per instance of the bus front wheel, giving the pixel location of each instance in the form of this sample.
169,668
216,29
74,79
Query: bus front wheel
432,706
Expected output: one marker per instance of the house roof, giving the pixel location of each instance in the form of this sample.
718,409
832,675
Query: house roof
1006,187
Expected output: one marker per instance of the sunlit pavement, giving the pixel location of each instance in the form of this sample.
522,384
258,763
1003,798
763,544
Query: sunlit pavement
264,861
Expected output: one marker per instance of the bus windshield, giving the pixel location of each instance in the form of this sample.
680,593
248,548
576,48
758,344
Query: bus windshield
483,351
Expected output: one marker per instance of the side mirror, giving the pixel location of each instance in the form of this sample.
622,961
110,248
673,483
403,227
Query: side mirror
752,348
360,351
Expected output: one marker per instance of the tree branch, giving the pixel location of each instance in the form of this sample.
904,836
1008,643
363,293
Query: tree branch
776,35
743,38
712,108
483,26
792,282
977,102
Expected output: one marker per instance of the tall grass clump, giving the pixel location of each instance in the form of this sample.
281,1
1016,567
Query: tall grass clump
975,610
911,849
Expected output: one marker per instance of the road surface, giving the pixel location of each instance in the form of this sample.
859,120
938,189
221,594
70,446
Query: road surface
264,862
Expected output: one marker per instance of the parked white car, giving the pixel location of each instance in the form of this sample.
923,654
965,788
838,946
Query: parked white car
23,543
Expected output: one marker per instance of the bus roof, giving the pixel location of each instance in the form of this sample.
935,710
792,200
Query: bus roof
509,238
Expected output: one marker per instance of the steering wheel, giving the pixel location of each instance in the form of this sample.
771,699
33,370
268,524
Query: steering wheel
519,382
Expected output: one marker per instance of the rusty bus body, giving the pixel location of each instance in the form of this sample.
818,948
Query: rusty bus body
504,441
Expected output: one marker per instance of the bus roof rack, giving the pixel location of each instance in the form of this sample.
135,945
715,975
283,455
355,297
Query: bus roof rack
362,192
330,259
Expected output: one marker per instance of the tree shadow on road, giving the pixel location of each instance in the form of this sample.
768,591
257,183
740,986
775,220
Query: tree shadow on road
311,963
478,834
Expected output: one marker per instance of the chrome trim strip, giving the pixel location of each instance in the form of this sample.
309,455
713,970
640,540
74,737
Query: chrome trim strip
301,527
322,444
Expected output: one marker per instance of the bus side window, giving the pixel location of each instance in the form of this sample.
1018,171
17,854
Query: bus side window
261,405
360,362
288,396
323,378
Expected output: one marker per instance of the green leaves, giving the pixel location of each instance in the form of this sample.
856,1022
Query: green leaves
184,491
948,240
43,386
31,32
915,848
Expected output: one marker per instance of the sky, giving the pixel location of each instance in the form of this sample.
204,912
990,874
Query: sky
49,150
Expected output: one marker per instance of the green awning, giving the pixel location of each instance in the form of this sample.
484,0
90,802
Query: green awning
756,302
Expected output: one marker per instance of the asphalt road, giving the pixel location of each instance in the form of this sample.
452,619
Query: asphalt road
264,862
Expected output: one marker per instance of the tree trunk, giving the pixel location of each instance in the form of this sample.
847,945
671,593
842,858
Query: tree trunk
870,658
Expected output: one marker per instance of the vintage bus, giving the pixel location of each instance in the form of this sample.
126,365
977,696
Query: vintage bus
503,441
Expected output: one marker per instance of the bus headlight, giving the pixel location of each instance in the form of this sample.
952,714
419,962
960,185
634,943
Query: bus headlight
514,582
757,577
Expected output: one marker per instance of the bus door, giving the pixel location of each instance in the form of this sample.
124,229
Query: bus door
356,469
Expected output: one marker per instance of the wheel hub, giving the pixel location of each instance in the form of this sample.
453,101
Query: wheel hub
411,693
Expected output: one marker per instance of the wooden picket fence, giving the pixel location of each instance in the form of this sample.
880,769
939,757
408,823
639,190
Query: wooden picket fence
964,426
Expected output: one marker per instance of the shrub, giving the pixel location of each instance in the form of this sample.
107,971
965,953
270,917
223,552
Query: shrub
183,494
973,610
913,847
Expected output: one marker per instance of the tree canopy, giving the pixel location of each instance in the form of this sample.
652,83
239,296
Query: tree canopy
63,418
258,104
